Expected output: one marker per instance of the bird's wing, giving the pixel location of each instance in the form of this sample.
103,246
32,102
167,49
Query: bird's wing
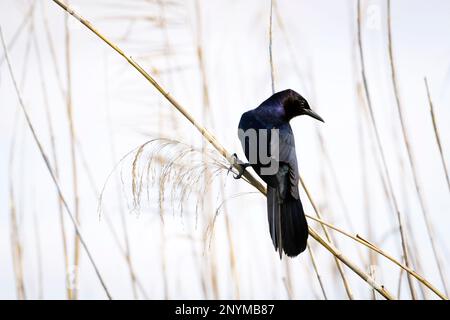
288,156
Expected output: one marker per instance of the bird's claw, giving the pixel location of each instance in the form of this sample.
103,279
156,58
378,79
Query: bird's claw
241,168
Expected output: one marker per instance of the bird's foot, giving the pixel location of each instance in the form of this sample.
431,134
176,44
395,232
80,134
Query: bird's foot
241,168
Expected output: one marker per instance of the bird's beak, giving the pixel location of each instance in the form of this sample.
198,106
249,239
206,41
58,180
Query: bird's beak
311,113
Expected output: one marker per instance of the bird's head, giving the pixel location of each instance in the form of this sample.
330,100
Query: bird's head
295,105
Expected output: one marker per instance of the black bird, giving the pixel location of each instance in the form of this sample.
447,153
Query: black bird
287,222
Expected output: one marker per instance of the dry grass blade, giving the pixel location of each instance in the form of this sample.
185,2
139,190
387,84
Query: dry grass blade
55,162
27,18
388,182
124,250
407,143
348,290
207,114
16,244
373,247
272,70
49,167
319,277
69,110
221,150
436,133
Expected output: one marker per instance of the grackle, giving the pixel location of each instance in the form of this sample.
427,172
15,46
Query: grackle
268,142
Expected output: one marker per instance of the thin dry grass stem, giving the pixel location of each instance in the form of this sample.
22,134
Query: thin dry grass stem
287,280
392,197
207,114
26,19
69,110
55,163
220,149
407,143
127,250
376,249
17,250
417,262
163,238
364,113
379,288
49,167
272,69
316,270
436,133
53,53
365,185
288,288
328,236
163,258
399,285
232,257
37,240
123,249
16,245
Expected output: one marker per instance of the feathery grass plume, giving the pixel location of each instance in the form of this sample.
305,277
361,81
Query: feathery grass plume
176,168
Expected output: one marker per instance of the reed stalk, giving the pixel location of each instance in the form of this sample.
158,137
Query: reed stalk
50,169
436,133
376,249
16,245
123,249
37,240
316,270
122,213
407,144
69,111
208,117
26,19
55,164
272,69
388,182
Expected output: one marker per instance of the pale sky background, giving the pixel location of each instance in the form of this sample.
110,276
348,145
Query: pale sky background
318,42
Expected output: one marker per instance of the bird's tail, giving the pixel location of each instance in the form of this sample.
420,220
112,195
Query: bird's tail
287,223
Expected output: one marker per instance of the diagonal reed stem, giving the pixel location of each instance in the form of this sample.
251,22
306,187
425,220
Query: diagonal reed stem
376,249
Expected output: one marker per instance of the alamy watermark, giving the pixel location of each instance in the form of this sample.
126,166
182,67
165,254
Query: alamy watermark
263,148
